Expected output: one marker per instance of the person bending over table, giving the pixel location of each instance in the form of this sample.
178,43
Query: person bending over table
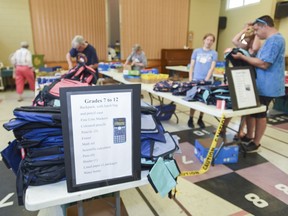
83,52
137,58
203,61
269,64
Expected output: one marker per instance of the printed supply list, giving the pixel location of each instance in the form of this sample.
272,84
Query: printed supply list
96,156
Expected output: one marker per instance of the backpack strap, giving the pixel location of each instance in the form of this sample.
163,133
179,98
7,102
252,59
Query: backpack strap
90,75
20,187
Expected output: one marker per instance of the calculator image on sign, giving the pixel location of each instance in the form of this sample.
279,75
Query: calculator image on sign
119,127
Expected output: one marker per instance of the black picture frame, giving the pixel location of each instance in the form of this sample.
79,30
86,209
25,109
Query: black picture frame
80,164
242,87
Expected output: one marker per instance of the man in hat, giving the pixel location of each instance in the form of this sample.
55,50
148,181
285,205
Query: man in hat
22,62
270,67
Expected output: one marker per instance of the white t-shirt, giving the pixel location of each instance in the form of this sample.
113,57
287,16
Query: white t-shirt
22,57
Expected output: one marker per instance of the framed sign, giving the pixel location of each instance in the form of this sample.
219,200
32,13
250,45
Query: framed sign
101,134
242,87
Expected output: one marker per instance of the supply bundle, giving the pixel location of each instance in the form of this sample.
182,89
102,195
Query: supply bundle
178,88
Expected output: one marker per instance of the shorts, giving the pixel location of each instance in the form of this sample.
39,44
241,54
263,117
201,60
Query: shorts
263,101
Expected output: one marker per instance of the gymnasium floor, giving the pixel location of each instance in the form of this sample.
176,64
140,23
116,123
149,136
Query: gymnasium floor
256,185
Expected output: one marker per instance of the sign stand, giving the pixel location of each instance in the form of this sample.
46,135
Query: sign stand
242,87
101,134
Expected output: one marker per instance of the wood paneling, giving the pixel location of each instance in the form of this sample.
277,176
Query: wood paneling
55,23
155,24
175,57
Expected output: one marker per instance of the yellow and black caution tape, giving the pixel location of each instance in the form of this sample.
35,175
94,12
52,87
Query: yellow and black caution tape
208,160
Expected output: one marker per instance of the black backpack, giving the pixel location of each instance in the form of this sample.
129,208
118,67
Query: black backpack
236,62
36,176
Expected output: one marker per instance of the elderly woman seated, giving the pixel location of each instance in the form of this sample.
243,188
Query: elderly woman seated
137,58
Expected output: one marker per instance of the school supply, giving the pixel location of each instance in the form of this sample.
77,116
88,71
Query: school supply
163,176
80,75
209,95
155,141
165,111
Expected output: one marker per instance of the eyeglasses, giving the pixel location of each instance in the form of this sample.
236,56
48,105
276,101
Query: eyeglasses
260,21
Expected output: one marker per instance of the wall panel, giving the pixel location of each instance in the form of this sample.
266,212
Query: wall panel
155,24
55,23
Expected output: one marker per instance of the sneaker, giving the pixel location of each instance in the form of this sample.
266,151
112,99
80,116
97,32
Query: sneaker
246,140
251,147
190,123
20,99
201,123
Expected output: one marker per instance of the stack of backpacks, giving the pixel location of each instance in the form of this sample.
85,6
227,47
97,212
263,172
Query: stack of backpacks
155,141
157,149
36,155
178,88
80,75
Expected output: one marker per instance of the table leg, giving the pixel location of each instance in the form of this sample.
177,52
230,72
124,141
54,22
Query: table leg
80,208
118,205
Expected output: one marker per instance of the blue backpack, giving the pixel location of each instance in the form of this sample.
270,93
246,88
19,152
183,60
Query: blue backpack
36,156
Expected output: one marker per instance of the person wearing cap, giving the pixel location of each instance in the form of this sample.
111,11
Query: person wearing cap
137,58
269,64
22,62
82,51
202,65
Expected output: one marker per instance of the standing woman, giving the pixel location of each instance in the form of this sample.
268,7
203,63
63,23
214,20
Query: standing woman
203,61
22,62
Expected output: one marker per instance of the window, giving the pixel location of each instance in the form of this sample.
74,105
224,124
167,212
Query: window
240,3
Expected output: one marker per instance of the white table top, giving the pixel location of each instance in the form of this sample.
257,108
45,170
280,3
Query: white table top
209,109
39,197
185,69
118,76
178,68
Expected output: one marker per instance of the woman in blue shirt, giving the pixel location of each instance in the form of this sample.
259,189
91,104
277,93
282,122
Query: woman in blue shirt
203,61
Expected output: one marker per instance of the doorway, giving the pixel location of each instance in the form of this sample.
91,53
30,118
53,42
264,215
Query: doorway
113,29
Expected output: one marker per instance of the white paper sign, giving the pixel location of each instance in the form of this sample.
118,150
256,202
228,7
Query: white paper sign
244,90
102,139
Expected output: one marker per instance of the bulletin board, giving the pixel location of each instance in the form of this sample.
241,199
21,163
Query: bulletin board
101,134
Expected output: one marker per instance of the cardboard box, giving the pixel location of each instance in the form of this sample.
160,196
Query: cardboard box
98,207
228,154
